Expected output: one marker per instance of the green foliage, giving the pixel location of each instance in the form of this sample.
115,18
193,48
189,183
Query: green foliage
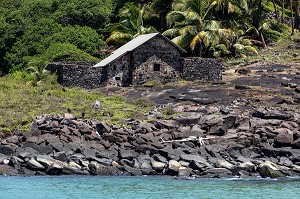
153,83
20,103
66,52
29,28
131,24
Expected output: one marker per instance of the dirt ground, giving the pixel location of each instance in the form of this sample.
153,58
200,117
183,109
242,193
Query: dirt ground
262,83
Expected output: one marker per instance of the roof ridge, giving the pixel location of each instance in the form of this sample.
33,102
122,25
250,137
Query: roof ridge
131,45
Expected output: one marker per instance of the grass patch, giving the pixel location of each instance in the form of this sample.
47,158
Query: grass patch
21,102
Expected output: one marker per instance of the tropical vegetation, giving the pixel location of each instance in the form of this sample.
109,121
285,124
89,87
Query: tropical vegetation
60,30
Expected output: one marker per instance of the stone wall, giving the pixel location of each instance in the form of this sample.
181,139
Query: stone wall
197,68
157,52
155,69
117,73
80,74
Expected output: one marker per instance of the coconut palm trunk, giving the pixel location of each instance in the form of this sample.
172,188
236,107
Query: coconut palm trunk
282,11
292,15
275,9
297,17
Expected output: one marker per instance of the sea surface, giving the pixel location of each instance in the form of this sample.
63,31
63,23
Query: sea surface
146,187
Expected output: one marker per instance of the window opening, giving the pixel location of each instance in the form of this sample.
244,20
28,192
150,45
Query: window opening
156,67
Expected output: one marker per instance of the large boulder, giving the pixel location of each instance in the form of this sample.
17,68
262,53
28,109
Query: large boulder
33,164
184,171
284,137
296,144
127,154
7,150
96,169
269,170
173,167
158,166
8,170
224,164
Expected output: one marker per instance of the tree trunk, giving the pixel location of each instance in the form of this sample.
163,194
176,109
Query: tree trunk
275,9
163,22
282,12
293,27
257,15
297,17
263,42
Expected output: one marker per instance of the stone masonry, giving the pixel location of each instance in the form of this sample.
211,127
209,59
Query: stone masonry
80,74
198,68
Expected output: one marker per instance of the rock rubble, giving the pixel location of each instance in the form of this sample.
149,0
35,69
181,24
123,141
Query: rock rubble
257,142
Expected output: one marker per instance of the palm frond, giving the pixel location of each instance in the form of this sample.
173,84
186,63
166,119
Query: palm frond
173,32
183,40
211,24
175,16
192,30
119,37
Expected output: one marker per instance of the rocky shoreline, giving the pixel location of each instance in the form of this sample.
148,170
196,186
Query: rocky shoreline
202,141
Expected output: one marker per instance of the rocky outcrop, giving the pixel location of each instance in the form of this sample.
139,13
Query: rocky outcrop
259,142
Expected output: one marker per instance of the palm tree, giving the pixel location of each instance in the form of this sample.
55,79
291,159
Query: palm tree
131,26
38,68
193,27
162,7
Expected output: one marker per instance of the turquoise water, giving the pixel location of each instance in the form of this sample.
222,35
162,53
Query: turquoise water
90,187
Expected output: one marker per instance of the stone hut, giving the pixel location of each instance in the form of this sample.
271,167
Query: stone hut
150,57
145,58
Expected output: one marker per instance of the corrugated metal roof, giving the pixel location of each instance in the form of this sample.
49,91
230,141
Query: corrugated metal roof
131,45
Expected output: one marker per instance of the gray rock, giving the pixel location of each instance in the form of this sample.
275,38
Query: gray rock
133,171
89,153
2,158
35,165
102,128
96,169
8,170
285,162
224,164
184,171
7,150
127,154
269,169
146,164
284,137
26,152
198,166
165,124
60,156
170,153
158,166
107,154
39,148
173,167
159,158
13,139
296,144
102,161
196,158
56,168
266,172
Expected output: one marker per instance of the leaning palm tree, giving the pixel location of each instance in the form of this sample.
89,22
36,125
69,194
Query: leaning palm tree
131,25
193,27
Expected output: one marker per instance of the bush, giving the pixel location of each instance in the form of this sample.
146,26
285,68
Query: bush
66,52
22,75
153,83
